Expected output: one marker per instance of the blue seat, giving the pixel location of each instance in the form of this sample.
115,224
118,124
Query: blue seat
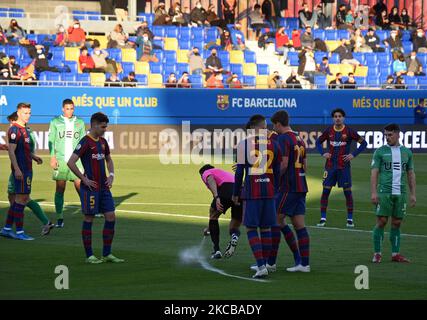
411,82
55,77
72,65
24,55
422,82
184,33
263,69
169,68
142,79
224,56
318,56
386,70
197,33
382,34
2,49
320,81
331,34
373,71
360,81
406,35
407,46
384,57
128,67
196,81
159,42
115,54
13,51
69,79
343,34
79,15
250,56
43,79
293,58
149,17
83,78
182,67
160,54
225,65
156,67
3,14
334,59
212,34
169,57
422,57
94,15
197,43
58,53
159,31
32,37
184,44
373,81
171,32
236,68
16,13
319,34
292,23
43,38
371,59
359,56
249,81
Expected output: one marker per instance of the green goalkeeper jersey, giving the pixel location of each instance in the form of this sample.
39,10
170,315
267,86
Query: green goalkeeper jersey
64,135
393,163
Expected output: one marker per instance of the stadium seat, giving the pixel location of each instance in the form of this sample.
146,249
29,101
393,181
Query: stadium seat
128,67
160,54
293,58
320,82
79,15
411,82
182,67
332,44
335,68
249,69
83,79
422,83
156,67
172,32
32,37
250,56
384,57
128,55
197,43
319,34
224,56
97,79
69,79
359,56
159,42
373,71
73,66
24,55
212,34
262,82
197,33
406,35
184,33
385,71
236,68
184,44
16,13
171,44
361,71
236,56
103,41
142,79
115,54
93,15
169,68
3,49
43,79
169,57
13,51
43,38
249,81
263,69
196,81
159,31
318,56
407,46
335,58
331,35
155,81
371,59
343,34
422,57
373,81
182,56
142,67
360,81
72,53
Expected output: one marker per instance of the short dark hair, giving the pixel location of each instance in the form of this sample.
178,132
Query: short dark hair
257,6
67,101
12,117
281,117
392,127
132,73
256,120
325,58
338,110
205,168
22,105
350,74
99,117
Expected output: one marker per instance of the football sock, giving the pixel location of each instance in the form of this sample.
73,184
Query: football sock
87,238
235,233
18,211
10,217
395,240
214,230
59,205
378,236
324,202
107,237
292,243
275,242
304,245
38,211
349,203
255,243
266,244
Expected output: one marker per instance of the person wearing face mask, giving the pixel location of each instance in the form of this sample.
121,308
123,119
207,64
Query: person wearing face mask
160,10
177,15
373,41
419,41
340,18
275,81
394,18
113,81
215,82
13,68
306,17
145,49
234,82
4,76
226,43
76,35
351,82
399,66
395,44
337,82
3,38
195,61
118,38
345,53
171,82
184,81
407,22
199,15
362,21
41,57
61,37
229,10
414,66
292,82
383,21
86,62
15,33
400,83
307,38
213,18
213,64
237,37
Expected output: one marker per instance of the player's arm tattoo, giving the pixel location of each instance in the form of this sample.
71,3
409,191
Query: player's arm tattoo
212,186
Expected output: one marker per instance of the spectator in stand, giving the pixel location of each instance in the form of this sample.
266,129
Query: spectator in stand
145,49
406,20
4,77
121,10
215,81
324,67
177,15
394,18
383,21
42,56
257,20
171,81
113,81
186,13
351,82
118,38
379,7
3,37
213,64
143,28
282,43
414,66
389,84
307,64
229,10
323,22
275,81
195,61
13,68
419,41
345,53
296,39
399,66
15,34
184,81
237,37
307,38
395,44
164,20
199,15
269,12
160,10
362,21
327,9
292,82
337,82
420,113
340,18
373,41
213,19
359,43
349,19
226,43
400,83
130,80
76,35
61,38
86,62
100,58
234,82
306,17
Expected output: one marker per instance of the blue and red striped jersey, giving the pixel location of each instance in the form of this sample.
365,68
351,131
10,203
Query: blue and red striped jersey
338,145
259,163
294,148
20,136
92,153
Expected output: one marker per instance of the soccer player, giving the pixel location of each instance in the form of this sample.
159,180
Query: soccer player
21,162
220,183
258,162
32,204
290,200
65,132
392,164
95,194
337,166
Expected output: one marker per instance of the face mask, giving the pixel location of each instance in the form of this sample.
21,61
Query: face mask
393,36
76,26
220,78
145,38
234,80
97,52
61,30
5,74
39,51
420,34
413,57
172,77
199,6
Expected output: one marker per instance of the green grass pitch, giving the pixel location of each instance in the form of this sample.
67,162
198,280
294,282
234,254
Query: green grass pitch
162,210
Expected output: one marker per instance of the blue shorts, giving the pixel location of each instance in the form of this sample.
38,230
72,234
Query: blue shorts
259,213
342,176
94,202
291,203
23,186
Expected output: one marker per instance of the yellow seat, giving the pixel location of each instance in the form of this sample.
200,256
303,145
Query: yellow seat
330,78
236,56
332,44
171,44
262,82
97,79
345,69
128,55
361,71
142,68
249,69
103,41
155,81
72,53
181,56
335,68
